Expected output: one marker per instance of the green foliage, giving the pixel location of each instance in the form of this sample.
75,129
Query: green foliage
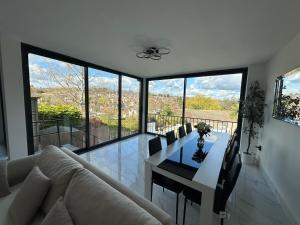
253,110
203,103
289,107
203,129
166,111
234,108
59,112
129,123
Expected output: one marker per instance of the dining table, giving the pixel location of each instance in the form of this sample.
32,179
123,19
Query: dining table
178,162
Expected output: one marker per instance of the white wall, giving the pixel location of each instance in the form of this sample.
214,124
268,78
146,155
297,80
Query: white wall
14,109
280,157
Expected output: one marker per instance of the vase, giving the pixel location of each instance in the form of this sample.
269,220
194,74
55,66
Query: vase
199,155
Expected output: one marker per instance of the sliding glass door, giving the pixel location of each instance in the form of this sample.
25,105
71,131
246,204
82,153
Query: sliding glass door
75,104
213,98
57,103
103,106
130,110
165,105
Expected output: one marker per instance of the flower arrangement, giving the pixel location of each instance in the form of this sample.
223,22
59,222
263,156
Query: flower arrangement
203,129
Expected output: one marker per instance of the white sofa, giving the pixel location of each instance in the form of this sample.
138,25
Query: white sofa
91,196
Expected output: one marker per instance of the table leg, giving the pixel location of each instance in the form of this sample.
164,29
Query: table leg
206,208
148,181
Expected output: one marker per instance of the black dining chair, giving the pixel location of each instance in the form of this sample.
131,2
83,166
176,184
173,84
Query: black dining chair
158,179
181,132
170,137
189,128
228,160
222,192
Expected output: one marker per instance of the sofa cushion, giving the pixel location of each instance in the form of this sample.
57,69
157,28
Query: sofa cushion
38,218
5,203
4,188
92,201
29,198
59,167
58,214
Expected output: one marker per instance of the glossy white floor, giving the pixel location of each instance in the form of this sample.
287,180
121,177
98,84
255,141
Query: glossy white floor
252,201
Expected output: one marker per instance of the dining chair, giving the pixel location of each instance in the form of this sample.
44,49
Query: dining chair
158,179
170,137
189,128
181,132
222,192
228,160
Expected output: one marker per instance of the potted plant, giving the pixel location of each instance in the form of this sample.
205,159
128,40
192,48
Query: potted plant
253,111
203,129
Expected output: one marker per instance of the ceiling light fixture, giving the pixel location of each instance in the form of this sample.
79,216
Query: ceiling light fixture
153,53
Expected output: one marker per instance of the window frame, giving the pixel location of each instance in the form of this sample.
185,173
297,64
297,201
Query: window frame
27,49
243,71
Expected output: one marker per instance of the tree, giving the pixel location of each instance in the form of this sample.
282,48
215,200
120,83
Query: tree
70,81
253,111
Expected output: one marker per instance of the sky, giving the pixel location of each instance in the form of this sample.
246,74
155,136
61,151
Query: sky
219,87
292,82
39,68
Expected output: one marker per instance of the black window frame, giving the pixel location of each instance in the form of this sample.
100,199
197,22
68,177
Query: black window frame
242,70
2,118
27,49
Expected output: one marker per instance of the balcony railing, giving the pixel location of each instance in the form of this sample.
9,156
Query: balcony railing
64,133
161,124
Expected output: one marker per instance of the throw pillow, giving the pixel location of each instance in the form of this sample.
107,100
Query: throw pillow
29,198
58,215
4,188
59,167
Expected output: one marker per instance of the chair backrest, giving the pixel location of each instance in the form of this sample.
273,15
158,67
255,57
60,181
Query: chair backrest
231,142
231,156
232,176
222,195
154,145
189,128
181,132
170,137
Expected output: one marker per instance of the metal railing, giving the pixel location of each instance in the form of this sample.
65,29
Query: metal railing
60,132
160,124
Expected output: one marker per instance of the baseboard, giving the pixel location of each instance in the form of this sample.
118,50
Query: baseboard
285,207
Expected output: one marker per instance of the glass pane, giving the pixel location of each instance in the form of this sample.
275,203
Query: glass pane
165,103
58,103
214,100
103,106
130,106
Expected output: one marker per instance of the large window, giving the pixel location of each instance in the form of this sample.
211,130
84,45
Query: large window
130,109
75,104
165,105
103,106
57,103
213,99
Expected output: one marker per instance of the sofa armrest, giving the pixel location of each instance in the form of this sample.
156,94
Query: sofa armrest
156,212
18,169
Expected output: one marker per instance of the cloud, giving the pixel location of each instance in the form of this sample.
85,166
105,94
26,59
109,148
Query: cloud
104,82
35,69
170,86
130,84
221,82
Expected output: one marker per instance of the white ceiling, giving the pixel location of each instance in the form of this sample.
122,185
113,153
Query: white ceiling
202,34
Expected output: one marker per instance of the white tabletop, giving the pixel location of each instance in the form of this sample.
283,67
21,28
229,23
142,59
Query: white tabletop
208,172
